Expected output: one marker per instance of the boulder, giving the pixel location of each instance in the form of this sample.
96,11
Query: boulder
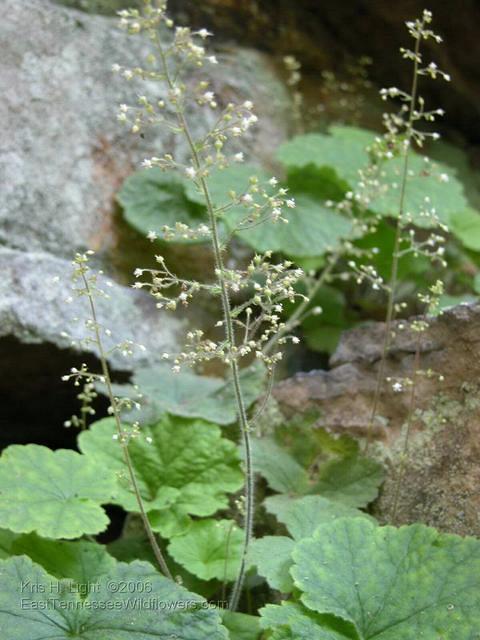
435,470
64,155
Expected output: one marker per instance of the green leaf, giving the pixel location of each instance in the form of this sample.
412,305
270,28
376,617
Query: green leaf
210,549
222,181
55,493
241,626
7,538
390,583
302,516
325,227
312,230
465,225
133,601
281,471
272,555
310,444
353,481
323,331
135,546
152,198
191,396
187,466
81,561
447,198
293,621
343,150
320,183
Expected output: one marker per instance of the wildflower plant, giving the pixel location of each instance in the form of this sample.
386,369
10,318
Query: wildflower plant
244,330
171,473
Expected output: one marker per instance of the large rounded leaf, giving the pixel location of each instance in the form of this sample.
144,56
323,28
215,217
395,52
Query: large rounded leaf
344,150
407,583
152,199
132,601
210,549
182,466
189,395
312,228
80,561
55,493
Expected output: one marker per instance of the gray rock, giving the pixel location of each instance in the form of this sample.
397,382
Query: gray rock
63,156
35,307
63,153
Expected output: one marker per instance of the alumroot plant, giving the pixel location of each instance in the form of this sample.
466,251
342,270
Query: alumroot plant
246,330
86,285
403,133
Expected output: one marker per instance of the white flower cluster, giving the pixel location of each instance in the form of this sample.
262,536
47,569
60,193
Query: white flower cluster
251,326
264,287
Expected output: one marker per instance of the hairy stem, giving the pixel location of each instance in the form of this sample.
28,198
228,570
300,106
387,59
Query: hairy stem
230,336
126,454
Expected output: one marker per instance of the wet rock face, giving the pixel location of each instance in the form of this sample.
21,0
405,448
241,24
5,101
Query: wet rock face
441,476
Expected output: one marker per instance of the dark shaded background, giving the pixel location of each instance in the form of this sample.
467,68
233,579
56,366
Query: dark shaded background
326,34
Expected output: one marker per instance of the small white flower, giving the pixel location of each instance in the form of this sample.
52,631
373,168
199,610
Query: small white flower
147,164
204,33
151,235
290,203
273,181
444,177
191,172
295,340
247,199
248,104
238,157
212,59
397,387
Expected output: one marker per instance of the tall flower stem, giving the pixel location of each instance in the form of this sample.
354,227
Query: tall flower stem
396,250
126,454
230,337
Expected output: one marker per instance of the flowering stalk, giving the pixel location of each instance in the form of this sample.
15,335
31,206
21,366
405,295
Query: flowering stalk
89,290
416,111
248,326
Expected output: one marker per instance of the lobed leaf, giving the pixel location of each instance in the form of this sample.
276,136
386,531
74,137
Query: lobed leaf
189,395
55,493
302,516
131,601
152,199
278,467
353,481
209,549
186,468
391,583
272,555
